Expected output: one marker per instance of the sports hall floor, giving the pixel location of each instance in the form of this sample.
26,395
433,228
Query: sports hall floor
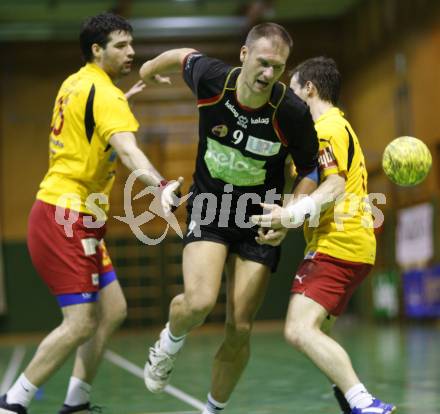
399,364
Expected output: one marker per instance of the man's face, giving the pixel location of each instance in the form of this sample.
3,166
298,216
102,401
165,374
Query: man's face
299,90
263,63
117,56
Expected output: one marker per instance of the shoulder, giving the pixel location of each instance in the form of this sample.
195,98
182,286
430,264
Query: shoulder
109,102
292,106
293,113
334,128
109,92
209,67
204,75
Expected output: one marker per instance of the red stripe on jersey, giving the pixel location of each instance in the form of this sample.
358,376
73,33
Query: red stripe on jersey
208,101
279,133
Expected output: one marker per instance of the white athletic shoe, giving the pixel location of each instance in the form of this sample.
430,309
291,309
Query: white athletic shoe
158,368
6,408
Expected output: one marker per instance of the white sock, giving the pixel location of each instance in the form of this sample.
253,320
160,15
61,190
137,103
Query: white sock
21,392
78,392
169,343
213,407
358,397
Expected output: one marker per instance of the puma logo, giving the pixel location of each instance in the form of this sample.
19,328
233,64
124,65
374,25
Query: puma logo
300,278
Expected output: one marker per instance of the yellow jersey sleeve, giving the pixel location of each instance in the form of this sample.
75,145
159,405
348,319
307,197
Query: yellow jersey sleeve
112,113
333,151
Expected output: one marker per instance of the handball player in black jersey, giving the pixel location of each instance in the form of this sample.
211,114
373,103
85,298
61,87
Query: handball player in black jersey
250,125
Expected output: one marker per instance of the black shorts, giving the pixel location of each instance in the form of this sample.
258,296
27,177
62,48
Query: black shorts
239,240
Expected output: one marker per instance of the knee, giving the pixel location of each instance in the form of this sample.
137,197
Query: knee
238,334
200,305
296,334
121,315
86,328
79,331
112,320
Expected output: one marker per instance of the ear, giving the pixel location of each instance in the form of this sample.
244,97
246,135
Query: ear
96,50
310,88
243,53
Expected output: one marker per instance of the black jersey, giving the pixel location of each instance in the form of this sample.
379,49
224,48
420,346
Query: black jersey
243,146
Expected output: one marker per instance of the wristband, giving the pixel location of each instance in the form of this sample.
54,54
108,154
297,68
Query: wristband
304,208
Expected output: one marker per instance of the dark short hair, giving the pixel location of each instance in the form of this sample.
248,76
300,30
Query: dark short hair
96,30
324,74
268,30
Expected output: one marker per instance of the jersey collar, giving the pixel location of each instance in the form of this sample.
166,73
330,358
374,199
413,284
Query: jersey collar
331,112
94,68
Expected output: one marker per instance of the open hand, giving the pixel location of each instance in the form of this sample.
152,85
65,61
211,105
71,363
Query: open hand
138,87
168,194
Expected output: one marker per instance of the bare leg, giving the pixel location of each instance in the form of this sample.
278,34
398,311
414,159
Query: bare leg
302,330
326,328
79,322
247,283
203,264
112,310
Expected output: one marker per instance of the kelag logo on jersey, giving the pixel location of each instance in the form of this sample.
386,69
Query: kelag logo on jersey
241,119
326,158
231,166
259,120
231,107
220,131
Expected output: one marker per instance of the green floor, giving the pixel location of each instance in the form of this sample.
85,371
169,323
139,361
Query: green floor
400,365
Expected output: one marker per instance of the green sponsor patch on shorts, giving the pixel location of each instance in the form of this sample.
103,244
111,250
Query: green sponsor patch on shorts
231,166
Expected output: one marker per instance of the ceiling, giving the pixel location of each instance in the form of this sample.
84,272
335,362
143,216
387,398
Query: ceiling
60,19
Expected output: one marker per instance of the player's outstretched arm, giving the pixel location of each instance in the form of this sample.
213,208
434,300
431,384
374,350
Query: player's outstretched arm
299,207
134,159
329,190
171,61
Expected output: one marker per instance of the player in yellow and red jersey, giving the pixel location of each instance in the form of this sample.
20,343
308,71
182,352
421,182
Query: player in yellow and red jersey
341,245
91,125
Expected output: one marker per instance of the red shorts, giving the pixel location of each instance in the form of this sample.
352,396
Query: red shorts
329,281
66,264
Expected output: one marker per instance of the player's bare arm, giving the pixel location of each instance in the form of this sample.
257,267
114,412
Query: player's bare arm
133,158
166,63
275,236
299,207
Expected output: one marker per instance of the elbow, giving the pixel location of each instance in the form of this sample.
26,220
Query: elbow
185,51
144,69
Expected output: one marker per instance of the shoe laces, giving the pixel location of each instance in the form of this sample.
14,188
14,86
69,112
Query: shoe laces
161,363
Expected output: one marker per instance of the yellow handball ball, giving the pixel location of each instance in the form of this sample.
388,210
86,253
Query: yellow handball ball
406,161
